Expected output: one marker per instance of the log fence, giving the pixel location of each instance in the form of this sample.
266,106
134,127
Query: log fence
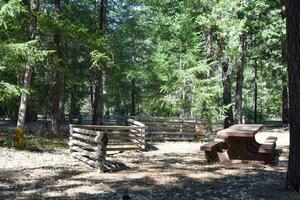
173,129
90,143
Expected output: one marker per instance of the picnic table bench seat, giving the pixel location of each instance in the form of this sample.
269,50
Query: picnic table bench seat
213,149
238,142
268,147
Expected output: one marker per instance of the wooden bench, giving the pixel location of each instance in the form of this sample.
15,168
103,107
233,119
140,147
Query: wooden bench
212,149
238,143
267,148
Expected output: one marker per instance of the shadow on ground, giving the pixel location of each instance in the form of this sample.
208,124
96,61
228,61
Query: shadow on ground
169,176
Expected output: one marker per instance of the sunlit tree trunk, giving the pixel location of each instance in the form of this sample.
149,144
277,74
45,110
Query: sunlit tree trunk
239,82
33,7
293,30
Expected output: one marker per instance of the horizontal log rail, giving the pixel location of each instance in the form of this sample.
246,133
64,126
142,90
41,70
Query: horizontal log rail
173,128
90,143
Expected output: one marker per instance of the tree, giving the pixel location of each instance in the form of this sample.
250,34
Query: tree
226,75
293,29
240,81
33,7
97,95
57,82
285,89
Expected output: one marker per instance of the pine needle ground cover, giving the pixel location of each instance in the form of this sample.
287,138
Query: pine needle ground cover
171,170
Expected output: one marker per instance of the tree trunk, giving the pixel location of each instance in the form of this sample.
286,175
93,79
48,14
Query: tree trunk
98,98
209,50
57,75
133,97
239,82
255,93
226,81
33,7
98,103
285,90
74,107
285,100
293,30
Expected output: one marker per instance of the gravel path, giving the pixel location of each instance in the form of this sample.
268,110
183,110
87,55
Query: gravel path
175,170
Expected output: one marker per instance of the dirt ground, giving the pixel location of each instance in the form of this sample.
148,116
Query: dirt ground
172,170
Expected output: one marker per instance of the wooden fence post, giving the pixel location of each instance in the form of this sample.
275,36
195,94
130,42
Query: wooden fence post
102,140
71,138
143,136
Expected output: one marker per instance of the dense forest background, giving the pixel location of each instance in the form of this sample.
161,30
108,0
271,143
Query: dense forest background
215,60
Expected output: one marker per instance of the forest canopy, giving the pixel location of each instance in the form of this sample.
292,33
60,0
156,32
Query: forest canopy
214,60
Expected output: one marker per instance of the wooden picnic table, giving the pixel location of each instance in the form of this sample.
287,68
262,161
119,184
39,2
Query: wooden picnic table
238,143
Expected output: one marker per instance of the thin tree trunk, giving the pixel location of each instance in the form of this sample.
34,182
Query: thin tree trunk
285,100
209,54
33,7
255,93
239,82
133,97
285,90
209,49
57,75
226,81
293,30
98,103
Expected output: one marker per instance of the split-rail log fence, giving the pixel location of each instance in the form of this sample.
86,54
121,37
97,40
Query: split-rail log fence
90,143
173,129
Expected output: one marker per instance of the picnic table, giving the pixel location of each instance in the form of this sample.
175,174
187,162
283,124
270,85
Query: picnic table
238,143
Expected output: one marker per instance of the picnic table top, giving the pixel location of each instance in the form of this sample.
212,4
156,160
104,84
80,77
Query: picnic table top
240,130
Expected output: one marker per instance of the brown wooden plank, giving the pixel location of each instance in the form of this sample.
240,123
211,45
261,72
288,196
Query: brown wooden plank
84,137
83,145
240,130
104,127
87,161
85,131
83,152
134,122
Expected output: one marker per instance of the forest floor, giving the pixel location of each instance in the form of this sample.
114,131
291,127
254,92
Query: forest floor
172,170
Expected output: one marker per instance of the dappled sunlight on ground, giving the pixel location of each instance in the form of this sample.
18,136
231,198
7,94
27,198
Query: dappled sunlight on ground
174,170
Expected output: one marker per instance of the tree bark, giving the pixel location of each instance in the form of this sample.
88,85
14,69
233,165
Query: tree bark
293,30
285,90
98,98
239,82
33,6
226,81
56,90
98,103
255,93
133,97
74,107
285,100
209,48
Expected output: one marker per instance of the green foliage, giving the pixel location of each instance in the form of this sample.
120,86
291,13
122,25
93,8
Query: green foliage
156,51
9,11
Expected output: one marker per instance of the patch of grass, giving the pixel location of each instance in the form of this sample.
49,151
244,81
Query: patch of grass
47,144
34,141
